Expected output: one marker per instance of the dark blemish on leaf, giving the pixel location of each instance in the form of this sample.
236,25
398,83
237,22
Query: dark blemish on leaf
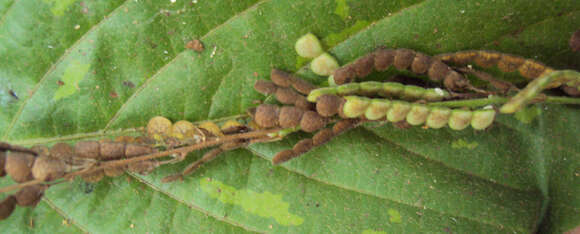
317,204
59,83
128,84
447,229
13,94
255,74
113,94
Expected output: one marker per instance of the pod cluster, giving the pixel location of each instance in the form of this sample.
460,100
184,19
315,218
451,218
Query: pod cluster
287,88
386,89
397,110
48,164
527,68
402,59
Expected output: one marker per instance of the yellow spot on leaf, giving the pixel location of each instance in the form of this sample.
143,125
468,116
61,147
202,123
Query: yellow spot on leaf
527,115
263,204
335,38
370,231
394,216
458,144
342,8
73,74
59,6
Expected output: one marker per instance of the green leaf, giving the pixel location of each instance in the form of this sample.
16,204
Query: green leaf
75,69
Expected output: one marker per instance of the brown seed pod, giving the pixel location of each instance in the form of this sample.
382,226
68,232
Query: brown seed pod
281,78
420,63
48,168
2,163
343,75
87,149
403,58
322,136
303,146
487,58
93,177
125,139
455,81
312,121
510,63
114,171
143,167
286,95
384,58
290,116
438,70
283,156
302,86
575,41
364,66
62,150
133,150
112,150
19,166
265,87
7,206
328,105
303,103
195,45
343,125
41,150
267,115
571,91
531,69
30,195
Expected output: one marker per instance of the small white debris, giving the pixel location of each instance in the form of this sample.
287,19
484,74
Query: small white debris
488,107
50,46
77,27
194,1
213,51
172,1
439,92
462,11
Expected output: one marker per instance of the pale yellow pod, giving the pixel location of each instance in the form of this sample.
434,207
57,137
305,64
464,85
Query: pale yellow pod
460,119
212,128
182,129
377,109
418,114
308,46
324,65
355,106
159,127
482,118
438,117
398,111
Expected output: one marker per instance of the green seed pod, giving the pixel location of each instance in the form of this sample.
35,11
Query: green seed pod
392,89
412,92
370,88
438,117
331,81
398,111
482,118
324,65
7,206
377,109
308,46
314,94
460,119
355,106
418,114
348,89
436,94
